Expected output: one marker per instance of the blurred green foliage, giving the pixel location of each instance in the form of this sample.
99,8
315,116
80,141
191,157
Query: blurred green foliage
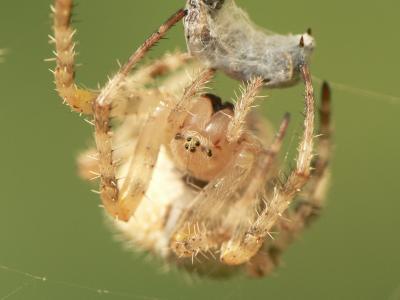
50,223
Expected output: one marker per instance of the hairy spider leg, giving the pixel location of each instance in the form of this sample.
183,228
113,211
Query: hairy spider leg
311,200
237,125
78,99
123,205
254,238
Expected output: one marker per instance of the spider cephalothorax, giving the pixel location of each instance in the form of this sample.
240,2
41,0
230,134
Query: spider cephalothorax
201,147
185,176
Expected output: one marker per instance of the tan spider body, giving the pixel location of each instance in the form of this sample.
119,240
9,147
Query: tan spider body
185,176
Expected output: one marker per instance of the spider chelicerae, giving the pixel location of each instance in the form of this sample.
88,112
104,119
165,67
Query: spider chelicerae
185,176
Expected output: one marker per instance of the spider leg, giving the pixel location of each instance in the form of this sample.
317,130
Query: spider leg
180,110
140,168
78,99
253,239
122,203
124,140
315,190
136,95
245,209
243,106
170,62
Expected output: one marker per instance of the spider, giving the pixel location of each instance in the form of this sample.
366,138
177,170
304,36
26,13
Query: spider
186,176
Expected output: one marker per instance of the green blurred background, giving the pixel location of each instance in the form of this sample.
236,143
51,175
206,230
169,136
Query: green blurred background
50,224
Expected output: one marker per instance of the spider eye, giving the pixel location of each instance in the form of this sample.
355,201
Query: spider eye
189,139
186,146
209,153
197,144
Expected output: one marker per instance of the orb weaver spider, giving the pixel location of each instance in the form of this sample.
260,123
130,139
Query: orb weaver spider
185,176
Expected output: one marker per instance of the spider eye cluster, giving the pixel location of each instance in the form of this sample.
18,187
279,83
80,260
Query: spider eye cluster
192,144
